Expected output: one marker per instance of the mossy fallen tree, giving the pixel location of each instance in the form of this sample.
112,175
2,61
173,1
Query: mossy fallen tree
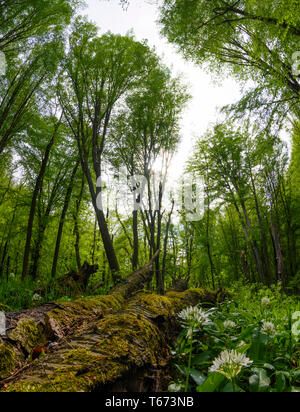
114,342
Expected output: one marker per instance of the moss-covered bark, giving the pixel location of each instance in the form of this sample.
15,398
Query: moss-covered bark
93,343
106,349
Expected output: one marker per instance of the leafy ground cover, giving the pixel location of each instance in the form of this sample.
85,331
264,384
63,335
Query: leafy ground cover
250,343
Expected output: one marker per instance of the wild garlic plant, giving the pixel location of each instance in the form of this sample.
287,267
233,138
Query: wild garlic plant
250,343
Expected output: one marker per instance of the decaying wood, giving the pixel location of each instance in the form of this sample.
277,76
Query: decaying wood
73,283
113,342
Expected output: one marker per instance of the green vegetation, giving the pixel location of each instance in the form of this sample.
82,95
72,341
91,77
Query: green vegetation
249,343
89,125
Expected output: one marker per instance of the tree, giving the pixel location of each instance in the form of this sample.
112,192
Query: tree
50,128
99,73
25,21
244,172
252,39
144,134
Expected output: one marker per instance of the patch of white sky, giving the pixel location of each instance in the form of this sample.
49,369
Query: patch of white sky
207,97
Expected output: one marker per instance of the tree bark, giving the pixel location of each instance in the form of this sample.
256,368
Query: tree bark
36,191
43,221
62,219
279,254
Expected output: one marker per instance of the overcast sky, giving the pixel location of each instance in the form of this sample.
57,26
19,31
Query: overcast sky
141,17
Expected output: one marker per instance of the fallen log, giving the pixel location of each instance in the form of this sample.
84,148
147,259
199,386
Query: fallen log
72,284
54,322
115,342
123,351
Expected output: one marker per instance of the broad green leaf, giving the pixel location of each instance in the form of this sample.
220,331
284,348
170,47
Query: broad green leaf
212,383
229,388
280,381
198,376
259,381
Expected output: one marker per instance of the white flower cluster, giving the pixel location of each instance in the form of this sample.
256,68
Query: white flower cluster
268,328
194,315
229,324
230,363
36,298
265,301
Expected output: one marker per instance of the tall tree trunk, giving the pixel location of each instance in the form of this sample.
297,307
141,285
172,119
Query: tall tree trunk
212,267
163,271
279,254
76,228
36,191
43,221
160,287
252,245
103,227
267,264
135,255
62,219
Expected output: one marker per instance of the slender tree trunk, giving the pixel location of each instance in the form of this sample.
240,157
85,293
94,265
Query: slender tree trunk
94,242
279,254
76,228
252,246
106,238
62,219
43,221
163,271
159,283
135,255
267,264
3,258
7,267
36,191
212,267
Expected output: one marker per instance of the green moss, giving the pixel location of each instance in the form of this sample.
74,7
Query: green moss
7,360
192,297
83,309
28,334
112,345
153,305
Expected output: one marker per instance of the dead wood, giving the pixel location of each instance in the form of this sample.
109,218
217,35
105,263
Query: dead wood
101,343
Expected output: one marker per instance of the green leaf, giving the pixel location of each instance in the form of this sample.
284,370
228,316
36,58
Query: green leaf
198,376
212,383
259,348
202,358
280,381
259,381
229,388
195,374
244,348
269,366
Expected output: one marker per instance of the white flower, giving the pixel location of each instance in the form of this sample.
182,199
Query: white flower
175,387
36,297
194,315
189,334
268,328
265,301
229,324
230,363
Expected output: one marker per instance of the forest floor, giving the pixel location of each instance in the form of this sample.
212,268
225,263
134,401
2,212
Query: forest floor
249,342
